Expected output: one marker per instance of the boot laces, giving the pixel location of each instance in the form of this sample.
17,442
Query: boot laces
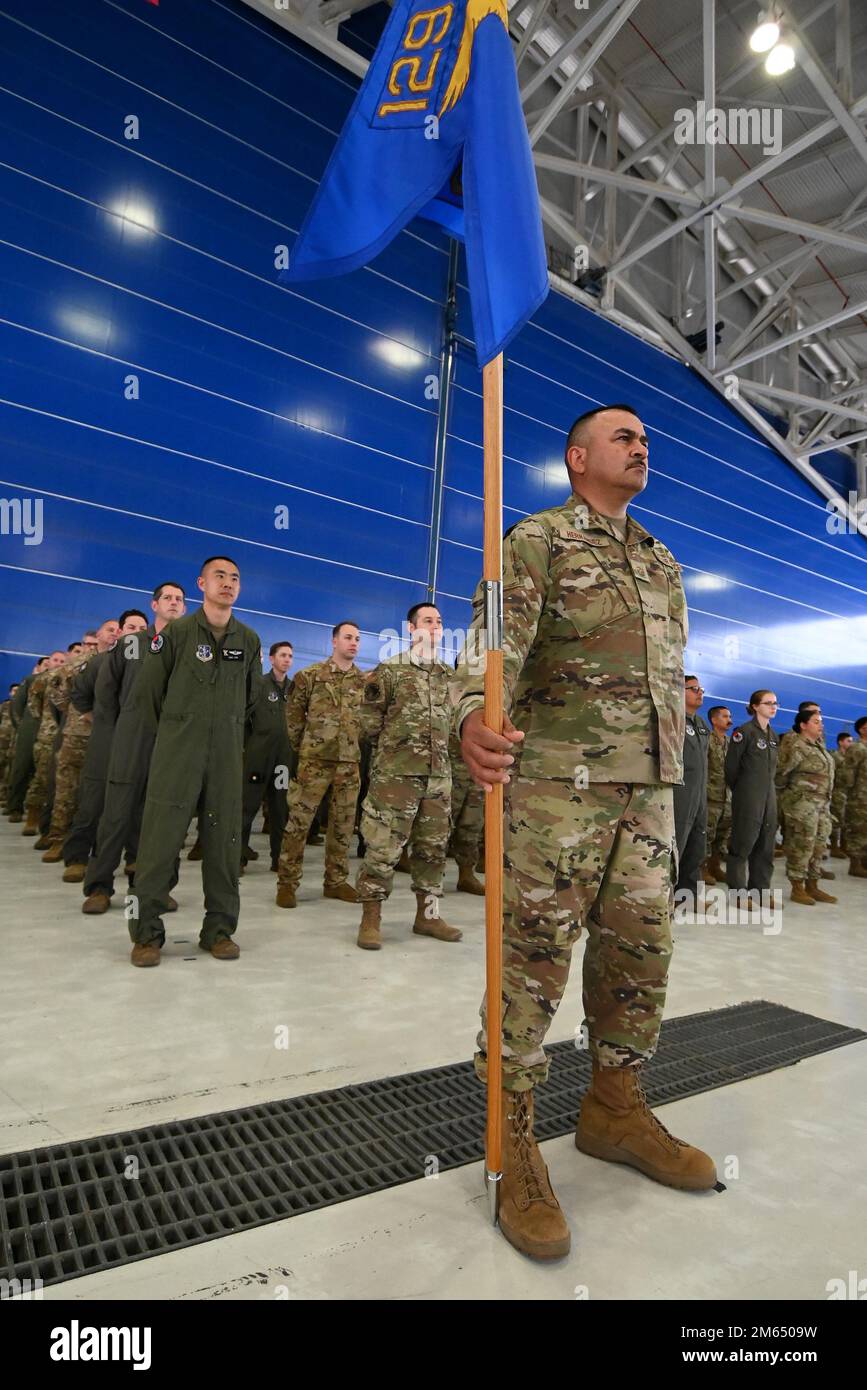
527,1157
669,1139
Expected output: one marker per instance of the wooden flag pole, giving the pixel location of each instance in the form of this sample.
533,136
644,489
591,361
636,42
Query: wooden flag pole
492,577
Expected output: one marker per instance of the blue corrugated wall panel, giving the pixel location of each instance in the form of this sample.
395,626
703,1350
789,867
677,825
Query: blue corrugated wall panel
252,397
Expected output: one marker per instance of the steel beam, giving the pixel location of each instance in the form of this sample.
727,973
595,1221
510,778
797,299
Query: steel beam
807,331
595,173
585,63
581,34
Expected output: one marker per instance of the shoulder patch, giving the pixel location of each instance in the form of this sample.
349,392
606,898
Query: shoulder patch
157,643
113,645
737,736
372,691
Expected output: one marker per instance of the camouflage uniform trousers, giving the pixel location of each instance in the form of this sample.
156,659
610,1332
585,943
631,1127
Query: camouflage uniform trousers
838,807
808,831
39,789
468,818
719,824
601,858
70,761
856,827
397,810
7,743
304,796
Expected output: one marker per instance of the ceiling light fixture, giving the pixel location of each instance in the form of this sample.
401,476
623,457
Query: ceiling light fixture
766,32
780,59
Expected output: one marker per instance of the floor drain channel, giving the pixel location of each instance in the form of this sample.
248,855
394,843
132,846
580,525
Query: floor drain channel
72,1209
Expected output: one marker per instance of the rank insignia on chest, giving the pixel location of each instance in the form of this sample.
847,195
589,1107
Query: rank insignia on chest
157,644
232,653
737,737
203,652
273,697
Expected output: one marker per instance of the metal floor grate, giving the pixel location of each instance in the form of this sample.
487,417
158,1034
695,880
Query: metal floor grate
72,1209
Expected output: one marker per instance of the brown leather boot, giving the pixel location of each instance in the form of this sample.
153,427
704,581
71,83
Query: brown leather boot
800,894
54,854
826,873
467,881
817,893
224,949
343,892
285,896
44,842
369,937
617,1124
31,825
529,1213
96,904
145,953
714,870
857,868
74,873
836,851
428,921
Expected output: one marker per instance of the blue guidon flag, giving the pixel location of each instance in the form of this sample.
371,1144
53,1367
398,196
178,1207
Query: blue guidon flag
437,131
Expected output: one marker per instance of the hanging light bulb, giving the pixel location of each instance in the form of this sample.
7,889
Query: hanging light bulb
780,59
766,32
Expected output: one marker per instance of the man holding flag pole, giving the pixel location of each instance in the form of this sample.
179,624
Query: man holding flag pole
437,131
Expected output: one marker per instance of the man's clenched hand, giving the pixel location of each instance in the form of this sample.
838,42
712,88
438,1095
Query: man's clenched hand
488,755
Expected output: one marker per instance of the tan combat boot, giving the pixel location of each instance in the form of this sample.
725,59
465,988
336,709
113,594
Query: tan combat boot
54,854
96,904
856,866
714,870
343,892
818,894
369,937
428,921
801,895
74,873
44,842
529,1213
617,1124
467,881
31,825
144,954
285,896
837,851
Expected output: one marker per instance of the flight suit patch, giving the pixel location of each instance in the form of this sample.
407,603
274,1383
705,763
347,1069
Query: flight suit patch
273,697
761,743
203,652
691,730
232,653
737,737
157,643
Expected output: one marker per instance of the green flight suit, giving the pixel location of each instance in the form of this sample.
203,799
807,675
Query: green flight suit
195,693
21,762
269,761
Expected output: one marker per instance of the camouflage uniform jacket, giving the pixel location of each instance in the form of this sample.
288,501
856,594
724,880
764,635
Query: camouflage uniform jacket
716,768
59,688
406,714
805,768
594,628
854,774
40,707
322,713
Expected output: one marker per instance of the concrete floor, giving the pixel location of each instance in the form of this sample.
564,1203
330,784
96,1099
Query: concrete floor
91,1046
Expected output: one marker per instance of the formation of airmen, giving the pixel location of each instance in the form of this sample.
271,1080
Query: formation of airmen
110,749
616,790
757,794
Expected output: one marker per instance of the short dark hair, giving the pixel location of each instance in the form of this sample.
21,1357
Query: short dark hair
211,558
91,632
275,647
840,737
131,613
74,644
803,717
808,704
717,709
347,622
170,584
859,723
573,438
426,603
689,678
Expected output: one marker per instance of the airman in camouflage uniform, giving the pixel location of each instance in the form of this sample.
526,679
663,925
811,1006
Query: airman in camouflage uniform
468,822
405,714
322,721
854,776
70,758
595,624
47,725
21,755
804,780
7,740
719,798
838,797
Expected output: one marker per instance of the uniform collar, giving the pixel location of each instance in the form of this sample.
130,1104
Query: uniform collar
331,665
635,532
206,626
